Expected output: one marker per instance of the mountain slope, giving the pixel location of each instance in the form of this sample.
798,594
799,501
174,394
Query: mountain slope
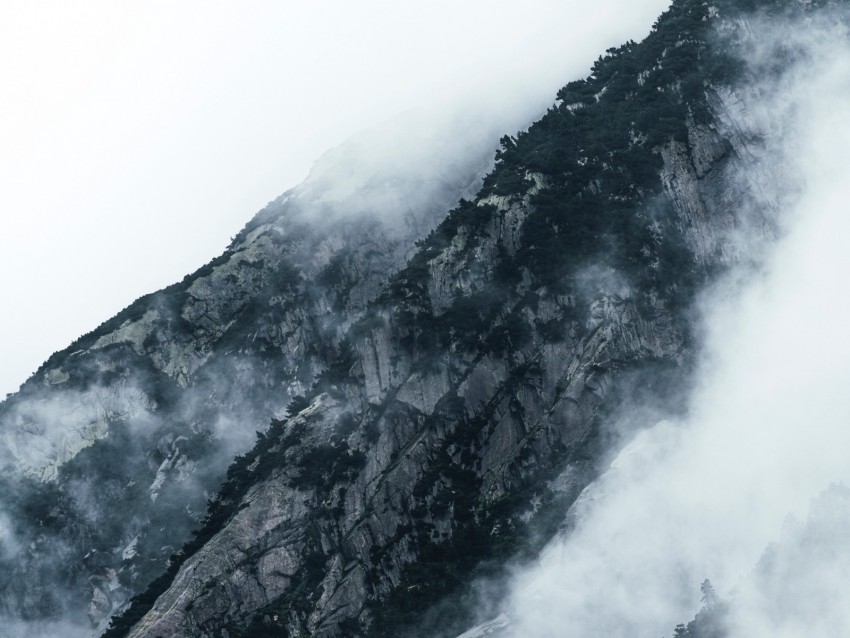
475,398
110,450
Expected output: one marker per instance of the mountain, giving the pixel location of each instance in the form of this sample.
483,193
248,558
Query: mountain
439,393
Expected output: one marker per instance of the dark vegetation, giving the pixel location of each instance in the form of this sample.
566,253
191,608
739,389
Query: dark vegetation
597,155
710,621
444,586
219,511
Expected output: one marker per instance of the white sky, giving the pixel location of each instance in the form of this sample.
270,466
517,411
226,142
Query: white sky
137,137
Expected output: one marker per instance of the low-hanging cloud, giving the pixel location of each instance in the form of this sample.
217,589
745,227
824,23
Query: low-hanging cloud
768,427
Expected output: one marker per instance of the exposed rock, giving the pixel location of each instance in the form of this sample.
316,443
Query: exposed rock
477,379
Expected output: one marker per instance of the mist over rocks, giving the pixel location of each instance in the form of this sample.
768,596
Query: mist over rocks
542,411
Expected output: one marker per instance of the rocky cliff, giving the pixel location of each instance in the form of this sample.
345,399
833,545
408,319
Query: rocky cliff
481,391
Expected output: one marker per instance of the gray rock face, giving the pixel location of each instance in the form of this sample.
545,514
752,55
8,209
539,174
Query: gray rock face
469,413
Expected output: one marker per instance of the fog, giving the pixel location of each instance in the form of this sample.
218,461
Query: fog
137,139
748,490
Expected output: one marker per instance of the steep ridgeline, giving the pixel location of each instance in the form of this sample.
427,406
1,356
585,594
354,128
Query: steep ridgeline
111,450
472,402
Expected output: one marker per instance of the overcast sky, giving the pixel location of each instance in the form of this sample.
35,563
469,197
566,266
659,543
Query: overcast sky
137,137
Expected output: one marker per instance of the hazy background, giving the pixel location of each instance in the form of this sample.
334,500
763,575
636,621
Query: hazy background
137,138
